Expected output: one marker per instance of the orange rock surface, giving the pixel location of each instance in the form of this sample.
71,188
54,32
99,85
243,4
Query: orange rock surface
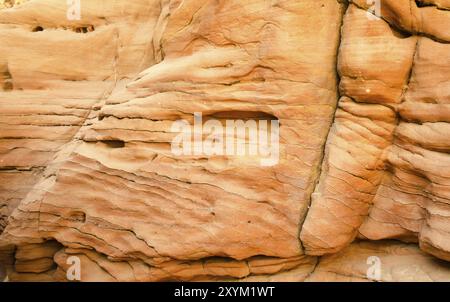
87,108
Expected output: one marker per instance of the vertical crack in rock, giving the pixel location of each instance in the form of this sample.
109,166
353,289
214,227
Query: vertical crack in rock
320,167
66,150
160,27
363,130
412,203
398,120
410,74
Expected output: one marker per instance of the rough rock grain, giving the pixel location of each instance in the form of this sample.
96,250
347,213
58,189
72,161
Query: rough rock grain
86,114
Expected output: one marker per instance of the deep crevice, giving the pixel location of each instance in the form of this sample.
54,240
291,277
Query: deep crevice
37,29
81,29
320,165
242,115
114,144
84,29
421,3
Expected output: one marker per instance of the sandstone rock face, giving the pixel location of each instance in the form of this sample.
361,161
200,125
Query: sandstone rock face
88,172
399,262
386,165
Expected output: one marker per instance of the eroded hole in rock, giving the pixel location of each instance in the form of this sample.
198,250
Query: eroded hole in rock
115,144
6,80
36,258
101,116
421,3
242,115
77,216
37,29
11,3
85,29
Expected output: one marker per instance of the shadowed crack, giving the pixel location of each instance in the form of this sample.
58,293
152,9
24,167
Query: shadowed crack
320,166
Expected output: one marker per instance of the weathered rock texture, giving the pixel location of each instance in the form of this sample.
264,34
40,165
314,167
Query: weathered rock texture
386,169
86,166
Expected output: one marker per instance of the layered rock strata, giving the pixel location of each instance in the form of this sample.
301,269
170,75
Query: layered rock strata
87,113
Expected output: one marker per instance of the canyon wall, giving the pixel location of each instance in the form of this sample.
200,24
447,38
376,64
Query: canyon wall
87,112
